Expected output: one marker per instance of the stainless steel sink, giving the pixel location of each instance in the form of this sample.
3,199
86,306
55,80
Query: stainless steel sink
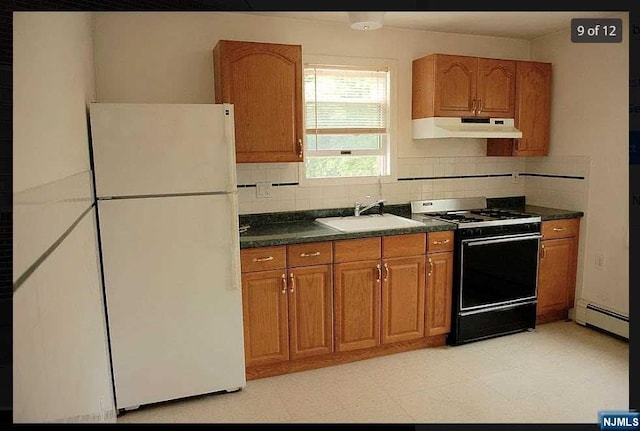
368,222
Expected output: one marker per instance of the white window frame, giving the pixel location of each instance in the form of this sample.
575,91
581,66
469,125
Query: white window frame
363,62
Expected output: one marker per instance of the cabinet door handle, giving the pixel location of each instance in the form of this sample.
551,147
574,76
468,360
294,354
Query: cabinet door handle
480,106
473,106
379,273
262,259
444,241
284,283
314,254
293,282
430,267
544,252
559,229
516,143
386,272
300,149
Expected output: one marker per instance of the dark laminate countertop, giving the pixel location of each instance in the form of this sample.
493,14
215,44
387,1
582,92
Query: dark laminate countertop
299,227
552,213
299,231
517,203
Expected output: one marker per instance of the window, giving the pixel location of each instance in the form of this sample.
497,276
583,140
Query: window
346,121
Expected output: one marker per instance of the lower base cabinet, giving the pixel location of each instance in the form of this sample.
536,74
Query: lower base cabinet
439,293
557,269
368,297
554,275
439,283
310,311
357,305
287,312
265,315
403,299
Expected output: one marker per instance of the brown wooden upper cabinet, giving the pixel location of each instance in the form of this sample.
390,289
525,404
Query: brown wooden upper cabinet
264,83
461,86
532,114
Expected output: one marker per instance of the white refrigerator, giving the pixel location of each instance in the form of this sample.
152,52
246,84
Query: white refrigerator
167,205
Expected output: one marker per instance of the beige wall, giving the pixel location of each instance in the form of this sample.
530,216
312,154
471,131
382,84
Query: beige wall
590,118
166,57
52,82
60,357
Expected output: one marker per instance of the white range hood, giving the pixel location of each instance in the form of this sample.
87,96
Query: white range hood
457,127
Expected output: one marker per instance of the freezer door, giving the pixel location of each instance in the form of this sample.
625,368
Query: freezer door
172,280
151,149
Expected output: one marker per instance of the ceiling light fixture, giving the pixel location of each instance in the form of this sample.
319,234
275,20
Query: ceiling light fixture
366,20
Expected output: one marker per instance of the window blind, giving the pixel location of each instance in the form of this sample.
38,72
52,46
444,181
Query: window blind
345,100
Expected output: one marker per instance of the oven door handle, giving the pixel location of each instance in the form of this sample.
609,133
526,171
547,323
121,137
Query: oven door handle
511,304
472,243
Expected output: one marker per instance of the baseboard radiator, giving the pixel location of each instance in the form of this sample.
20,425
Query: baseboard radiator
590,314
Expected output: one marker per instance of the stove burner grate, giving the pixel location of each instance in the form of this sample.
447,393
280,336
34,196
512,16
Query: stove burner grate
498,214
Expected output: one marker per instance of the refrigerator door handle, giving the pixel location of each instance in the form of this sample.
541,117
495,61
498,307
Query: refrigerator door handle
230,135
236,282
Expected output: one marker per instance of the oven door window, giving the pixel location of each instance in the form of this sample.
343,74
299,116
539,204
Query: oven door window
498,271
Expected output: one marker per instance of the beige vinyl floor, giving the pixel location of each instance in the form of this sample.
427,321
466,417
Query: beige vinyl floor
560,373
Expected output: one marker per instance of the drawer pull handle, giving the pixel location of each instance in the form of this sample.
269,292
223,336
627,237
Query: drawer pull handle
314,254
379,273
430,267
262,259
559,229
444,241
284,283
293,282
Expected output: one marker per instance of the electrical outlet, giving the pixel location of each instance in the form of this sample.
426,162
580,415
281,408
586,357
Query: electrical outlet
515,177
263,190
599,261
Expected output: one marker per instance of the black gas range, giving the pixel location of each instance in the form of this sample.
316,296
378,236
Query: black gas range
470,213
495,266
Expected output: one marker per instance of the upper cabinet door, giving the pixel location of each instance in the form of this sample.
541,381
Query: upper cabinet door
264,83
455,85
496,88
533,108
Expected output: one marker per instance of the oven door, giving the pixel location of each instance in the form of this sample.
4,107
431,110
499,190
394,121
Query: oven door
498,270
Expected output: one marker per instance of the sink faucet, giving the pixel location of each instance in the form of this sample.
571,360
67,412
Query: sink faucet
358,207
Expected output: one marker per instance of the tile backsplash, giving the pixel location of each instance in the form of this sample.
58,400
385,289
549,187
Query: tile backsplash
559,182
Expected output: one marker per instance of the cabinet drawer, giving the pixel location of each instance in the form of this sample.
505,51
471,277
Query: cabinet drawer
552,229
439,241
353,250
403,245
262,258
313,253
